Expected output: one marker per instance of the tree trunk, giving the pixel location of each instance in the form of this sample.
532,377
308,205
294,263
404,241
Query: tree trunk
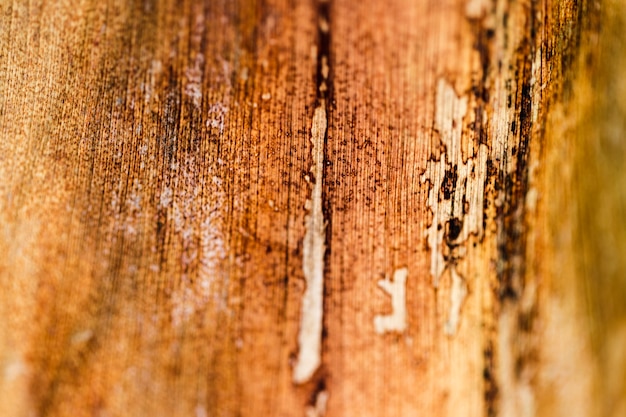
313,208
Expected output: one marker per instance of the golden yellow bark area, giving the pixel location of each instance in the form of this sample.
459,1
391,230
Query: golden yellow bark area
312,208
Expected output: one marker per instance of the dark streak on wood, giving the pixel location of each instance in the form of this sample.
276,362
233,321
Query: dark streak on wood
483,44
491,387
324,97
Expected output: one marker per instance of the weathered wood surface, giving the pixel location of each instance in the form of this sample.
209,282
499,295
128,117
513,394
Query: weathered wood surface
374,208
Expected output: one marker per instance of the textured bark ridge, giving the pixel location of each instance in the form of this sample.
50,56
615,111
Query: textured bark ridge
311,208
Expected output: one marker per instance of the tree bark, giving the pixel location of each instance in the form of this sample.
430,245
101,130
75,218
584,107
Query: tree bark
312,208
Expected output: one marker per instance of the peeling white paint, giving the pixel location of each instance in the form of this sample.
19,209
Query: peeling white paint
456,195
310,335
457,296
319,409
396,321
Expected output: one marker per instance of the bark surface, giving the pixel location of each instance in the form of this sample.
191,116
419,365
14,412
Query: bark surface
312,208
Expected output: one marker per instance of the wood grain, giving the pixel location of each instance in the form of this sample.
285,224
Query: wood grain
319,208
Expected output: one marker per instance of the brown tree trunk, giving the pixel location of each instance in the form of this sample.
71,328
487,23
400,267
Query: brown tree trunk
312,208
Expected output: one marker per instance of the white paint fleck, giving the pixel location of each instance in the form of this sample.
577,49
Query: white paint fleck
323,25
319,409
310,335
457,296
325,67
396,321
82,337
